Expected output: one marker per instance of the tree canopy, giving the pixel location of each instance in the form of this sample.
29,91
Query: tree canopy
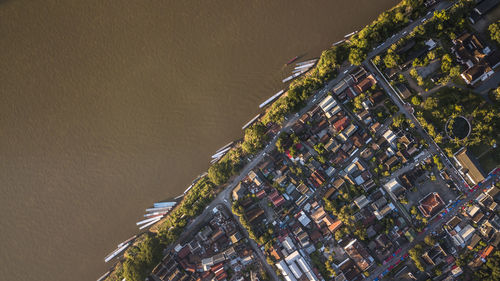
494,30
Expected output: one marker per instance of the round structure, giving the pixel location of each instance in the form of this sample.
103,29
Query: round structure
458,127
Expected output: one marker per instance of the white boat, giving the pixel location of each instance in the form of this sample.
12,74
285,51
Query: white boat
338,42
350,34
116,252
294,76
104,276
126,241
189,187
148,220
289,78
250,122
155,213
179,197
301,67
164,204
219,155
221,152
158,209
225,146
275,96
150,223
306,62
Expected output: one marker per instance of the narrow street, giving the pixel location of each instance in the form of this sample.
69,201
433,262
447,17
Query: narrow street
224,197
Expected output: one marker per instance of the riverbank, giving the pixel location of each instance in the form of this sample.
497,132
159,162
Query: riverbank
256,135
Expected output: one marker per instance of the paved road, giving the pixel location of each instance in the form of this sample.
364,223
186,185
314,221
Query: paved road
224,197
433,225
405,109
395,175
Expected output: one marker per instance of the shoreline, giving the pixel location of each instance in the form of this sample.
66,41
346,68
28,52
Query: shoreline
262,118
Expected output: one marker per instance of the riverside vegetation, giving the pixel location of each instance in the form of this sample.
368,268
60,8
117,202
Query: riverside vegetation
143,256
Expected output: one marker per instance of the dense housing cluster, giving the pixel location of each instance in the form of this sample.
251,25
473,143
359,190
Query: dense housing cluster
389,170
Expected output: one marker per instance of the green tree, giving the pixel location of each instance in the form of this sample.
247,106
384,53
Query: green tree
414,73
391,60
219,172
357,56
446,63
438,162
455,71
254,139
489,271
494,30
430,103
145,255
327,62
398,120
415,254
431,55
281,142
416,100
429,240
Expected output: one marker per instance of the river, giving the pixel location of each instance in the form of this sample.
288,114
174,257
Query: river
109,106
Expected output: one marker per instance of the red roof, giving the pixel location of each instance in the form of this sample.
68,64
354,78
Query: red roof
431,204
184,252
222,276
274,195
487,252
261,194
216,267
278,201
341,124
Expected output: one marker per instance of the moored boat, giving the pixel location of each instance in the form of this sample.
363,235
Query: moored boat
275,96
116,252
292,60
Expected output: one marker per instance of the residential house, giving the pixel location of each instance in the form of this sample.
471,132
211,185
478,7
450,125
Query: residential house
365,84
359,255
